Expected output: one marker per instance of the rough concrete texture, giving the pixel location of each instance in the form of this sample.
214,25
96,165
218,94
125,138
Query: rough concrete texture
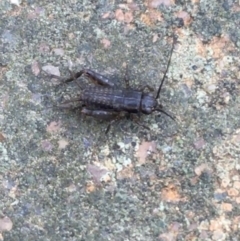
62,178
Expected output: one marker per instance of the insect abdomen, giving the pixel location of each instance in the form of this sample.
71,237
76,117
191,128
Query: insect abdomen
117,99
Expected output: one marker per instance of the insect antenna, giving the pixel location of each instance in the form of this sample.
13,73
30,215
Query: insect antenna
169,61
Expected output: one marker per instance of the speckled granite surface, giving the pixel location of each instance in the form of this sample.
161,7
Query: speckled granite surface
62,178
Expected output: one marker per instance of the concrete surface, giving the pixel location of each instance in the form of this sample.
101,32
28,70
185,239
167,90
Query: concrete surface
62,178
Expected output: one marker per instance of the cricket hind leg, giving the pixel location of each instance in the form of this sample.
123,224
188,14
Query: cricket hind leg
96,77
64,80
63,105
111,115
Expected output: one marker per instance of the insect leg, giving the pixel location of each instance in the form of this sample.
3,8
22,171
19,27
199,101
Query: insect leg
126,78
72,100
135,118
67,107
64,105
146,87
64,80
71,108
100,114
103,115
111,122
98,78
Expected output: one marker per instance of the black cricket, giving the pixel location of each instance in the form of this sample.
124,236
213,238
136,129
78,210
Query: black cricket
106,101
